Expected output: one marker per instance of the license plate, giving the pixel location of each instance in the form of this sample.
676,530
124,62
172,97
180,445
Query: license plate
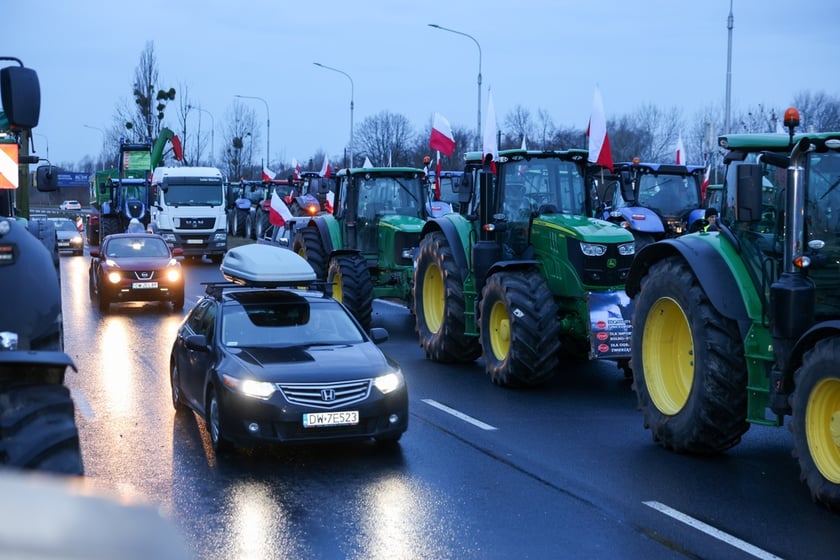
194,241
144,285
321,419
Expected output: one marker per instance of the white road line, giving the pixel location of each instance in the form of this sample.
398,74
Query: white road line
82,404
712,532
460,415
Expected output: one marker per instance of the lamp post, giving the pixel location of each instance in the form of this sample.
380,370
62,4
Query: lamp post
436,26
267,124
212,131
351,102
730,23
103,138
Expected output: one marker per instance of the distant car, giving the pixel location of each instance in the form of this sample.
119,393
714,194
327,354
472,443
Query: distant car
70,205
135,267
263,360
67,236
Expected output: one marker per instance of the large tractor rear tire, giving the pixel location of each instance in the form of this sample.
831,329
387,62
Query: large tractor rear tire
520,334
109,225
689,371
240,221
353,286
39,430
815,422
307,243
439,304
261,223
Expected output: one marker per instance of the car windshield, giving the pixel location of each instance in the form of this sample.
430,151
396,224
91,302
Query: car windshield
65,225
287,321
130,247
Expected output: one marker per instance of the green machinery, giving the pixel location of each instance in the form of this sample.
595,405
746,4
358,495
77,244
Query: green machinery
742,326
118,195
521,274
366,246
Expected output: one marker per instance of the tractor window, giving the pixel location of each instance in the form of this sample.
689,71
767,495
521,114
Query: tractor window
379,196
668,195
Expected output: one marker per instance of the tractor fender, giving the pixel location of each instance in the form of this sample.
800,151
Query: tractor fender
447,227
807,341
642,219
709,267
522,264
326,236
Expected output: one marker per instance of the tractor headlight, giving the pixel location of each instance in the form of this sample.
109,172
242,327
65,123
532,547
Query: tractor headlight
627,249
593,249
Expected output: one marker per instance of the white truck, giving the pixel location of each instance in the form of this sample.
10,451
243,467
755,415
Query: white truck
189,210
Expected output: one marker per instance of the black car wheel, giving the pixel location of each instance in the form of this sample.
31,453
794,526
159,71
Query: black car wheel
178,302
175,384
214,424
104,304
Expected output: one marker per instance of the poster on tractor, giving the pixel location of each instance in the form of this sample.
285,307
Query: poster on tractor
610,316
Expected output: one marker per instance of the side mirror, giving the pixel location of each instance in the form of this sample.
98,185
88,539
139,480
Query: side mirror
748,193
47,178
197,342
21,96
94,252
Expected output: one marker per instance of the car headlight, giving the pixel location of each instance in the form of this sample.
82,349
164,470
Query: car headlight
627,249
388,383
173,274
114,277
593,249
249,387
76,240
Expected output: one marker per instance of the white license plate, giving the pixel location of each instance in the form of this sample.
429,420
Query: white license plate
194,241
63,243
144,285
320,419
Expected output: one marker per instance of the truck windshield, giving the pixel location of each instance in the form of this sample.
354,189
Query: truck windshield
193,195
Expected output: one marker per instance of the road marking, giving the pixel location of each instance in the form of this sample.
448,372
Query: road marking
712,532
82,404
460,415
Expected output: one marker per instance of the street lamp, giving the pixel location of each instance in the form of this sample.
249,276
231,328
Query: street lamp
351,103
267,124
212,130
436,26
730,23
103,138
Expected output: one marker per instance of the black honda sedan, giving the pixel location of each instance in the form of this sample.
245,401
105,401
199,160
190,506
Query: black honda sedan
274,364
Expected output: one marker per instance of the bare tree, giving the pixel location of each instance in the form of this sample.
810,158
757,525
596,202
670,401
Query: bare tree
386,138
819,111
145,120
518,125
238,140
544,128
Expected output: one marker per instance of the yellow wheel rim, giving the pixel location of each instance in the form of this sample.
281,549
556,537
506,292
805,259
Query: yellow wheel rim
499,324
302,251
338,291
433,298
668,356
822,428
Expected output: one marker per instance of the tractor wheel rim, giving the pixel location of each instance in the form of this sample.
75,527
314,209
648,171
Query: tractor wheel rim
338,291
499,324
668,356
822,428
433,298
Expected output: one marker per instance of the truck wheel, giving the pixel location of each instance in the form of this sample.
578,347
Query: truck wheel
439,304
520,334
109,225
688,364
815,422
307,244
353,286
39,429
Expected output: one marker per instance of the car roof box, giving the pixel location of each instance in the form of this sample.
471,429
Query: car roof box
266,266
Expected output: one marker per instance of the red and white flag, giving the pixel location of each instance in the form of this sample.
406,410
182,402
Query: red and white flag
267,174
330,201
278,212
296,167
491,148
325,168
705,184
442,139
681,159
437,177
599,142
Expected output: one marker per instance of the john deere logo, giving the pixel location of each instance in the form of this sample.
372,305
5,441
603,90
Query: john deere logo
611,263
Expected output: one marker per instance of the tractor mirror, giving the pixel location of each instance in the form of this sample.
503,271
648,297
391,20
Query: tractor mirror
21,96
47,178
748,193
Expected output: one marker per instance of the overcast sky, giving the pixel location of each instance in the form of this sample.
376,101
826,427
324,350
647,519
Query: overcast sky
542,54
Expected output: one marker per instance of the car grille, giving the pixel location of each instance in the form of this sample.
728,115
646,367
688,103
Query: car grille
326,395
144,274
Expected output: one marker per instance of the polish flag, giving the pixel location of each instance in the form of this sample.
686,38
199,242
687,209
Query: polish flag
325,168
177,148
278,212
681,159
491,148
267,174
705,184
437,177
296,167
599,142
330,201
442,139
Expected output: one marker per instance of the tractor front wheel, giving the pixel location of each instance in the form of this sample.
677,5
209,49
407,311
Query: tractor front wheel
520,334
307,243
439,305
689,371
815,422
352,286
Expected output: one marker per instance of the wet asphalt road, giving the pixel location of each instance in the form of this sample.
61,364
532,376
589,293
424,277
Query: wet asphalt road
567,471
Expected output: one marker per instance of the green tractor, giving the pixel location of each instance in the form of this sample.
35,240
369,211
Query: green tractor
741,326
366,246
521,274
